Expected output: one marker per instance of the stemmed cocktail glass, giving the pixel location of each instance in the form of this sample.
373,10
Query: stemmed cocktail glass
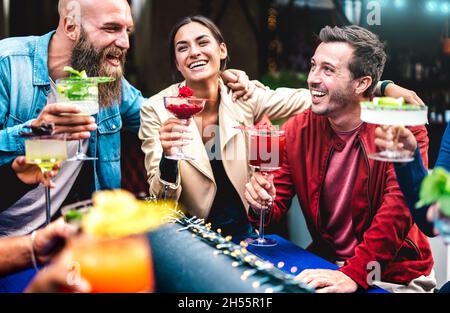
82,93
183,108
266,155
46,151
393,112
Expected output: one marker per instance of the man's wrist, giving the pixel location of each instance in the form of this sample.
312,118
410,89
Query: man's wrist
33,251
384,84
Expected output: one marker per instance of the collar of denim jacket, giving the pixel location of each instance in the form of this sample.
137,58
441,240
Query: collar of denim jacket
40,66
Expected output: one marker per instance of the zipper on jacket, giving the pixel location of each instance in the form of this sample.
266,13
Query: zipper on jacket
413,245
318,219
369,220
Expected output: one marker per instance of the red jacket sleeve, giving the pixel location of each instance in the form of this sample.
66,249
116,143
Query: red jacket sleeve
390,226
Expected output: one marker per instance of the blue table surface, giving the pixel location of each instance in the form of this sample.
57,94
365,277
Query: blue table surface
17,282
295,257
285,251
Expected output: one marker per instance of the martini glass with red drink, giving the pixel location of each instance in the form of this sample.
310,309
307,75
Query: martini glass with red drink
184,109
266,155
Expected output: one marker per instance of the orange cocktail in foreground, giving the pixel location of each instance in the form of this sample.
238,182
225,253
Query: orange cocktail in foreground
115,265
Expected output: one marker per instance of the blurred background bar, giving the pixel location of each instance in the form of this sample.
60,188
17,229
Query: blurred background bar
3,20
273,41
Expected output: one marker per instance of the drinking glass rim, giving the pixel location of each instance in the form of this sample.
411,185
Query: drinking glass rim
80,205
266,132
88,80
406,107
59,137
185,98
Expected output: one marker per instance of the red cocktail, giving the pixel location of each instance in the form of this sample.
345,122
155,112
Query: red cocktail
184,111
183,108
266,149
266,154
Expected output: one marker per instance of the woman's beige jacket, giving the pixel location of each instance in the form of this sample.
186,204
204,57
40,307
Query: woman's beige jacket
195,187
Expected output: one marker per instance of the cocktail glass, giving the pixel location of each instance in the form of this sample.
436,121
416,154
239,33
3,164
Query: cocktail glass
73,213
46,152
184,109
82,93
266,155
114,265
393,115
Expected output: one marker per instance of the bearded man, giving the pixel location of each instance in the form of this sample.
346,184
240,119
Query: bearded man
92,36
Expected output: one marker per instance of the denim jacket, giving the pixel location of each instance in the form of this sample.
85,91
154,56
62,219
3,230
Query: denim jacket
24,86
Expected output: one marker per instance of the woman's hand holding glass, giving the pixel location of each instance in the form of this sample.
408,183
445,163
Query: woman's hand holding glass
174,134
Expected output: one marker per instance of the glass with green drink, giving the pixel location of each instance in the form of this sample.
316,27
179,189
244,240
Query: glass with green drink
82,92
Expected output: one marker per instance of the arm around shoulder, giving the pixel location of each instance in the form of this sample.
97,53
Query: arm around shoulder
279,103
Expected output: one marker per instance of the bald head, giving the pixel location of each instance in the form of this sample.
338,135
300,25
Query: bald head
71,8
92,14
77,7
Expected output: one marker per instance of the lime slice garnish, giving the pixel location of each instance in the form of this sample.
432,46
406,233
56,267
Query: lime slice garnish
82,77
88,80
72,71
61,89
100,79
389,101
73,215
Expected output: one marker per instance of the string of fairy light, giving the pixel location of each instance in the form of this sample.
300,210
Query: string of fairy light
262,272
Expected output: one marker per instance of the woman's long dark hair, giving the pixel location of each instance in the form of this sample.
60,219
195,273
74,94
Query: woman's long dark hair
203,21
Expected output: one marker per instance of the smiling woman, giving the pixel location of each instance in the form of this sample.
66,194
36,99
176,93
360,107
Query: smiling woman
212,185
181,41
197,55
